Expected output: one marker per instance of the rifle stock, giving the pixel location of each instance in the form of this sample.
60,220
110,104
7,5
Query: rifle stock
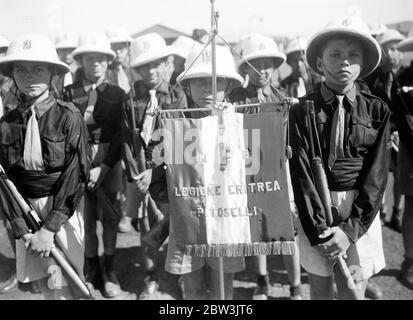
34,223
157,234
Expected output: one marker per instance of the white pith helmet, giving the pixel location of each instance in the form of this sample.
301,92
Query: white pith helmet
377,29
202,67
4,42
147,48
256,46
406,44
66,40
390,35
296,44
346,26
93,43
182,46
31,48
118,35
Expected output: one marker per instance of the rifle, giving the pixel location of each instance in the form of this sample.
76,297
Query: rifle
34,223
321,184
156,235
107,205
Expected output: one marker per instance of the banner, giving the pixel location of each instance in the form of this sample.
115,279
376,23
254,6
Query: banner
227,188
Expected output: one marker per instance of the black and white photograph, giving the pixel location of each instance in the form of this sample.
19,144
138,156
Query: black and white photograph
213,151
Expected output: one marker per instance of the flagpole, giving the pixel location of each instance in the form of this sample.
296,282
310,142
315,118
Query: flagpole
214,105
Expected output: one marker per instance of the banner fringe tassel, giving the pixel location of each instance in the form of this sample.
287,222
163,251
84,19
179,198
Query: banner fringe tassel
239,249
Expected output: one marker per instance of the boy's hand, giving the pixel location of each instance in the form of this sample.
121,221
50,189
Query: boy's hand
143,180
41,243
97,175
336,246
26,239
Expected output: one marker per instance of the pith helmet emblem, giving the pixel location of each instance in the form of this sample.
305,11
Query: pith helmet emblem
206,56
347,22
27,44
146,45
262,46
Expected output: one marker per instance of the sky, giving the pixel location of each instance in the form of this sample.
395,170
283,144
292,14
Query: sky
236,17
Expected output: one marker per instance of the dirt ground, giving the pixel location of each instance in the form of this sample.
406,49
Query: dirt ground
131,275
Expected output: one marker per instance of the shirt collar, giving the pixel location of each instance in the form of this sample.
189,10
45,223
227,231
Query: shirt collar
87,85
43,105
252,91
163,87
329,95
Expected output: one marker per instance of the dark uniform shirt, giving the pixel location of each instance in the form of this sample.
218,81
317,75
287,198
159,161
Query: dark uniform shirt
383,84
364,166
248,95
63,138
403,106
169,97
107,114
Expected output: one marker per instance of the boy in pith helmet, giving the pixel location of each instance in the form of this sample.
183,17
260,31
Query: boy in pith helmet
199,274
149,59
403,119
43,149
354,132
65,44
119,70
302,79
180,49
261,53
100,103
381,83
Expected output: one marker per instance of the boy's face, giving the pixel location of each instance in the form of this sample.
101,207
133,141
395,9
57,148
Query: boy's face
94,65
265,66
341,61
65,55
296,60
122,52
201,90
32,78
154,72
392,57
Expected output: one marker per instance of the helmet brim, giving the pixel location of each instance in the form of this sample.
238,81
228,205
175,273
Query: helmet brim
372,50
7,62
279,59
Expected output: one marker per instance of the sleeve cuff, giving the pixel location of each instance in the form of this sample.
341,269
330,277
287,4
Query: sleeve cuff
314,239
55,220
19,227
353,229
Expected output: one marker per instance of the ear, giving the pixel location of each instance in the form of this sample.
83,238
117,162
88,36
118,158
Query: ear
320,65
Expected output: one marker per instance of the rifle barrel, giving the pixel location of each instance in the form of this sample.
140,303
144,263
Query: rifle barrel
34,222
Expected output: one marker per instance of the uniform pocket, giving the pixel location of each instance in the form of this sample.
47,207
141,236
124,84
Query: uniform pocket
54,151
364,132
11,150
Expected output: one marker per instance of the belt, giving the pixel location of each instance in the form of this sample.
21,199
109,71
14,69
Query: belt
35,184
